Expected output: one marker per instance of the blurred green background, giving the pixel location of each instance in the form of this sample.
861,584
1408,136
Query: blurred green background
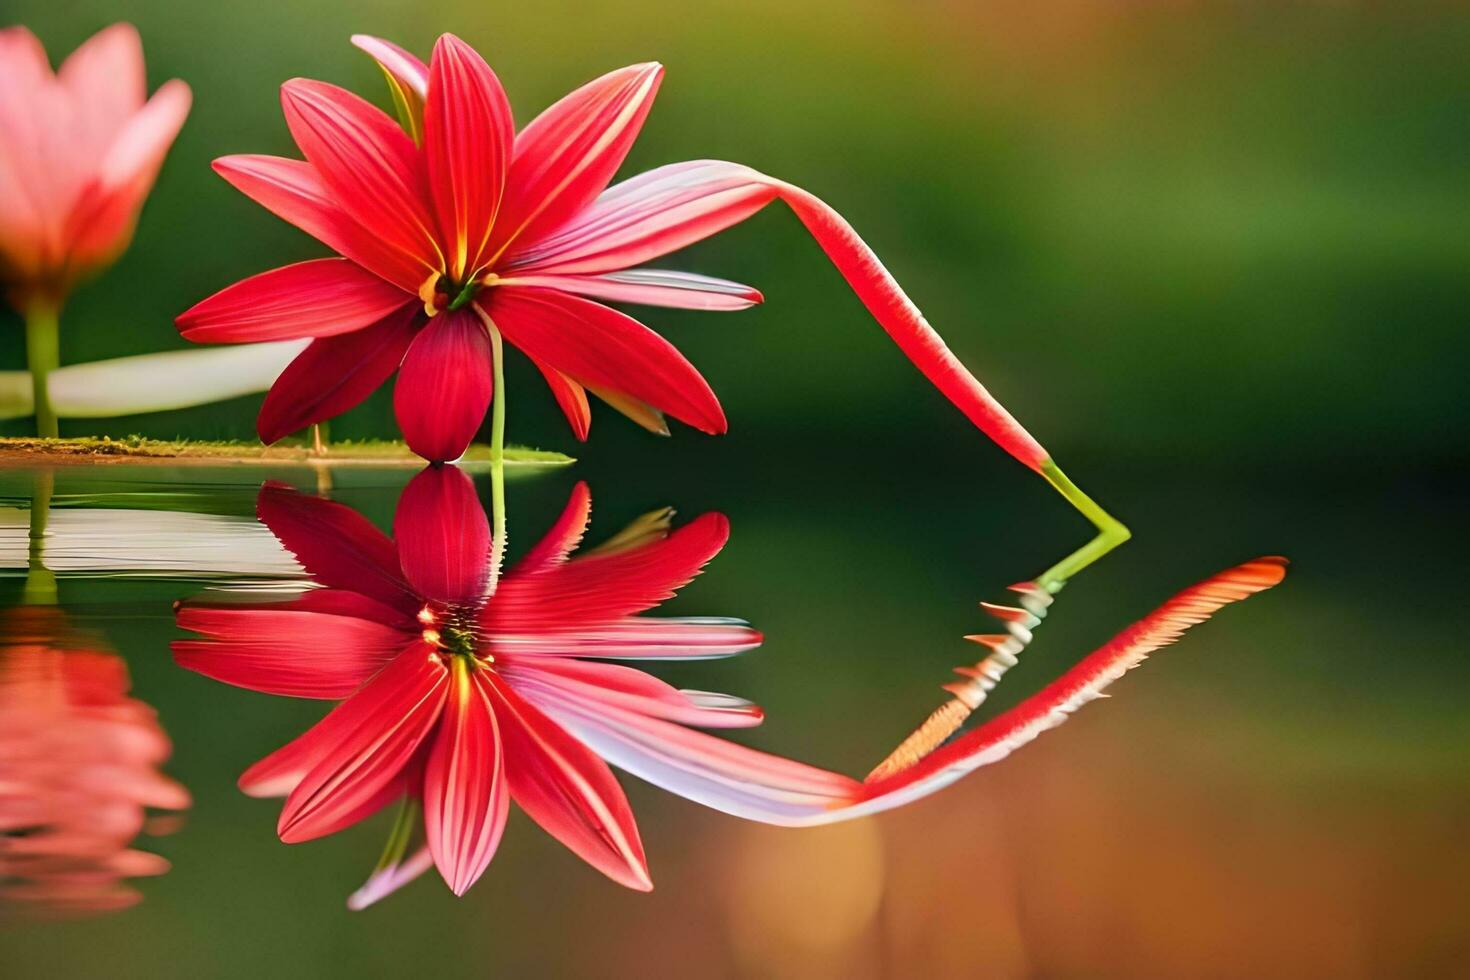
1214,256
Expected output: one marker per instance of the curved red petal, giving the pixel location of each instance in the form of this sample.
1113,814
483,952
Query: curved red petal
468,134
336,545
559,542
571,398
567,155
334,374
466,799
372,168
567,789
597,589
286,652
359,750
603,348
443,536
444,386
293,191
319,298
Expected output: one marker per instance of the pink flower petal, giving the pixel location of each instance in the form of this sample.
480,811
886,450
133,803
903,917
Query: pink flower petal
650,287
647,216
289,653
293,191
360,750
444,386
104,79
374,171
567,789
468,133
319,298
336,373
565,157
336,545
602,348
637,638
466,799
596,684
443,536
101,221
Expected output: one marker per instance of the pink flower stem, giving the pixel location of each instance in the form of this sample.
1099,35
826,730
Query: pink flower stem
43,355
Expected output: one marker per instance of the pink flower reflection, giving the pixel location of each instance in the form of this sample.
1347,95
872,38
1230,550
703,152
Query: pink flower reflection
79,765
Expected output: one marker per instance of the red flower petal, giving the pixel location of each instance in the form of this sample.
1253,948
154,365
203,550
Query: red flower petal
603,348
293,191
290,653
336,373
466,799
468,133
408,79
650,287
359,749
559,542
374,171
444,386
567,789
565,157
636,638
593,590
319,298
571,398
335,544
443,536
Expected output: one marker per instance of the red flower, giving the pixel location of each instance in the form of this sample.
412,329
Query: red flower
79,151
449,690
79,765
465,700
454,223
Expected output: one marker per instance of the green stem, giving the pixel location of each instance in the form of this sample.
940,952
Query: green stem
43,355
40,585
1111,532
497,452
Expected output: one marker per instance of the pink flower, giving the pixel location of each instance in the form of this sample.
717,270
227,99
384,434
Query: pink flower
79,151
79,765
449,689
456,224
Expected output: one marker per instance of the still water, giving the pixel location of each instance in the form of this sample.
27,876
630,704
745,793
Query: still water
1281,794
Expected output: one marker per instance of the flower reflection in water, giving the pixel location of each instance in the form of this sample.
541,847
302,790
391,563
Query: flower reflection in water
79,768
466,689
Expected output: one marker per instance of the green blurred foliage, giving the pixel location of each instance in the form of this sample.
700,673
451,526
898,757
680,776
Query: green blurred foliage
1233,235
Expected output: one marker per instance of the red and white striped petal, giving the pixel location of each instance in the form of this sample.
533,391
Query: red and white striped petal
443,537
637,638
319,298
595,684
650,287
361,748
334,374
567,789
567,155
468,135
603,348
372,168
466,797
444,386
293,191
645,217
